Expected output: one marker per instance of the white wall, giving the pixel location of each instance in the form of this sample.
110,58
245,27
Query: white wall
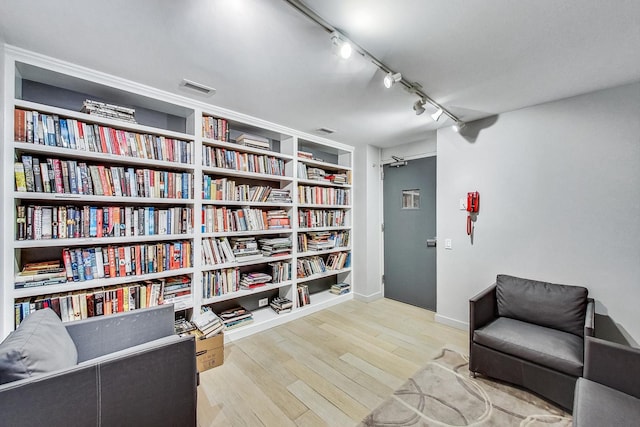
4,185
366,223
412,150
560,202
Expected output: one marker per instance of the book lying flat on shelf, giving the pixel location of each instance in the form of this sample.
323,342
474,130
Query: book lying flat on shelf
281,305
340,288
235,317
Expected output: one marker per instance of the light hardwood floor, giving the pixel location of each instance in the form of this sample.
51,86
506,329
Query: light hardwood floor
329,368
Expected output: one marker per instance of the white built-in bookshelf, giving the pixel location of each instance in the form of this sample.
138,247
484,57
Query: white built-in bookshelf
177,201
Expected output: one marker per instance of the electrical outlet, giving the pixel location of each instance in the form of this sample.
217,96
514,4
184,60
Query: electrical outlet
262,302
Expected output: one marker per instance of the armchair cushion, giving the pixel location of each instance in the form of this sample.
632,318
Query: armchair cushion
554,349
551,305
599,405
41,344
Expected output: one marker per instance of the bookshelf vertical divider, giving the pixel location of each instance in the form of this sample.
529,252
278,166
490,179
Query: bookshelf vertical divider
318,167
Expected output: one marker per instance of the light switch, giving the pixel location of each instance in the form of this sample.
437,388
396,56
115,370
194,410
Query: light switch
447,244
463,204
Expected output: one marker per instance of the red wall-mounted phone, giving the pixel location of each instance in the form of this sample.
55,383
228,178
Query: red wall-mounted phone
473,201
473,206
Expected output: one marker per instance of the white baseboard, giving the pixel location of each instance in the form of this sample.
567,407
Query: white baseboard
452,322
368,298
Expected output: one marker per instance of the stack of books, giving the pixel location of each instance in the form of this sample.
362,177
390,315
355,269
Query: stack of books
277,195
281,305
320,240
278,218
337,178
276,246
254,280
176,290
316,174
183,326
254,141
208,323
340,288
305,154
236,317
41,274
109,111
245,249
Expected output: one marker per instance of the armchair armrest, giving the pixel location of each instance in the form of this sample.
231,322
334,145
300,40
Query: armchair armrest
613,365
97,336
589,319
482,309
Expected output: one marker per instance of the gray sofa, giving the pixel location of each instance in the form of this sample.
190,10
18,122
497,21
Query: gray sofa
609,392
130,370
531,334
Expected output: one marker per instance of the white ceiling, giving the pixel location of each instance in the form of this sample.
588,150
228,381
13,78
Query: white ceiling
477,58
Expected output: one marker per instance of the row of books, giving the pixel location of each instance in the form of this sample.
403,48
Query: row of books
303,296
222,219
324,195
310,265
245,162
79,305
36,222
338,260
53,175
322,240
49,129
316,264
229,280
215,128
310,218
229,190
90,263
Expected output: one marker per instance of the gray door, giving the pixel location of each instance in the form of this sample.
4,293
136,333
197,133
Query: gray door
409,230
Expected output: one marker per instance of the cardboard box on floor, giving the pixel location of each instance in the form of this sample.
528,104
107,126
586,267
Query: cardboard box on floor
209,351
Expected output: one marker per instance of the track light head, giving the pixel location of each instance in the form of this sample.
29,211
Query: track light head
458,126
390,79
436,116
343,46
418,106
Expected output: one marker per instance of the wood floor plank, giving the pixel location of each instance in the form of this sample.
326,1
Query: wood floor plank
330,368
263,379
320,405
337,377
327,389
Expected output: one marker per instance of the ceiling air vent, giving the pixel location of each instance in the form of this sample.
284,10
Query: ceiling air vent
198,87
325,131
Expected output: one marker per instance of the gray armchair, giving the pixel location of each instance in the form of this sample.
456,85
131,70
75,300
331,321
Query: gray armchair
531,334
609,393
131,370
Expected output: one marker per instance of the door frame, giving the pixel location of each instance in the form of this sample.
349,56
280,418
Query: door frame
382,201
